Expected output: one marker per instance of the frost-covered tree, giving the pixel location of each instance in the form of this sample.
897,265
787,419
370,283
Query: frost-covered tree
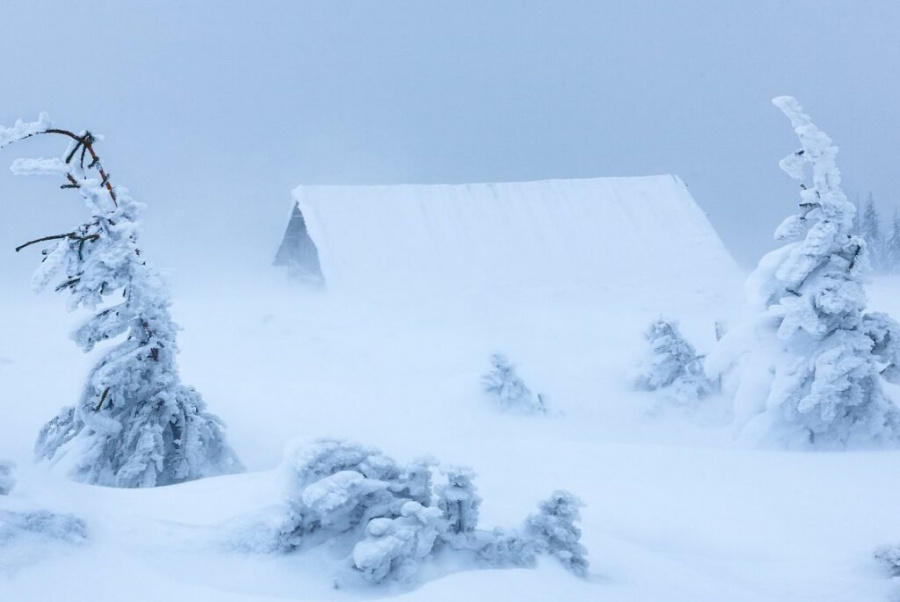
552,530
817,359
392,519
870,231
504,384
397,547
136,424
673,365
7,481
554,527
892,245
459,501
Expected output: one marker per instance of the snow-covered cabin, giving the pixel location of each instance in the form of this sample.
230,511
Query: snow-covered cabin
607,232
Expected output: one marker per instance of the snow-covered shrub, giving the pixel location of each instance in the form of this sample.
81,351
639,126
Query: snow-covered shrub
458,500
816,358
390,519
41,524
502,548
507,387
339,487
673,365
7,481
889,556
396,547
136,424
554,528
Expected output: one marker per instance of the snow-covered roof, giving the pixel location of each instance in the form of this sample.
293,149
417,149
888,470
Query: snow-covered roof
605,231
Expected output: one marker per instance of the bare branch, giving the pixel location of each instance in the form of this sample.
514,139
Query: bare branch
86,143
70,235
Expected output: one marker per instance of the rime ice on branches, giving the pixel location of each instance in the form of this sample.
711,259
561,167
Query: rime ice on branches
136,424
505,385
817,358
391,519
673,365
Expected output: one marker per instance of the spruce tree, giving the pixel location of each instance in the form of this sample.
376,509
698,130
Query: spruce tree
504,384
136,424
870,230
673,365
817,358
892,246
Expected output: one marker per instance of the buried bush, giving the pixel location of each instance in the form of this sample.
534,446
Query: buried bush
504,384
673,365
41,525
391,519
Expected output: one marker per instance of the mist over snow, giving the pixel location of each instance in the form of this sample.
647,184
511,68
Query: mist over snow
213,114
511,350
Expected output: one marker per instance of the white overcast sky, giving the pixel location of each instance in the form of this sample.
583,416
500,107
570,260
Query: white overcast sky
213,111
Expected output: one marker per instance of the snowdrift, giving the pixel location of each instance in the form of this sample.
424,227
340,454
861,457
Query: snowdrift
609,232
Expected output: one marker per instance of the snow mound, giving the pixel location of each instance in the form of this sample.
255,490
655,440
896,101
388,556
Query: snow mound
621,232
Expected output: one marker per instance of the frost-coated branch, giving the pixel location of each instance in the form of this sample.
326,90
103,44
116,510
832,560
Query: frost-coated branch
70,235
83,141
22,129
136,424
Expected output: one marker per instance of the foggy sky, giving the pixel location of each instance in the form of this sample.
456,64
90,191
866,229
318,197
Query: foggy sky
213,111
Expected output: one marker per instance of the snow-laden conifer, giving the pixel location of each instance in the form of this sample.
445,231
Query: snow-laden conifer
817,358
870,231
136,424
552,530
673,365
459,501
391,519
554,526
505,385
397,547
892,246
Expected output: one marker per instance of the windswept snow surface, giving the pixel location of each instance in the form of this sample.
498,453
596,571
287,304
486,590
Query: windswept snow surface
609,231
674,510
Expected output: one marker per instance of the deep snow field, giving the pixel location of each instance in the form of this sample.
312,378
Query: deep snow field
675,510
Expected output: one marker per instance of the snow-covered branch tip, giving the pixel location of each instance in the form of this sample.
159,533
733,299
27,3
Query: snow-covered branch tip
81,145
24,129
69,235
